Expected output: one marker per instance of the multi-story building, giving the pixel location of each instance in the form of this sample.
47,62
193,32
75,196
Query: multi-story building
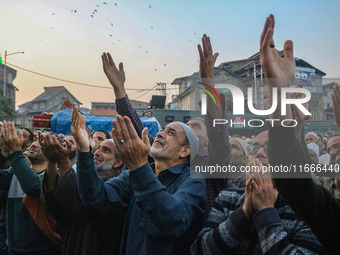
10,88
49,101
109,109
247,73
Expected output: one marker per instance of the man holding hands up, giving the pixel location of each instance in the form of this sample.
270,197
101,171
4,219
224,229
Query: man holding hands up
165,207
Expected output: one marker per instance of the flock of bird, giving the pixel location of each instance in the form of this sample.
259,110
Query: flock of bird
95,12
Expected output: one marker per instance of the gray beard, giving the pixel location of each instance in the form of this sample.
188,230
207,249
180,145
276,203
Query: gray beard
105,168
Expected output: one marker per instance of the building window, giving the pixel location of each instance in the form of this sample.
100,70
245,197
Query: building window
113,108
97,107
314,115
42,105
105,107
35,106
328,105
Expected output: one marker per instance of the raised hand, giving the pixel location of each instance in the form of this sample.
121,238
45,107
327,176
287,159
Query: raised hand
336,103
52,149
279,72
11,140
78,130
115,76
263,193
207,59
207,63
93,140
132,150
247,205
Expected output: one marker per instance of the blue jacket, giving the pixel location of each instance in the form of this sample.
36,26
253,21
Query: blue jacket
164,213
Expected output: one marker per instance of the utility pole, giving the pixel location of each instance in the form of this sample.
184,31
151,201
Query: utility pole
4,88
161,87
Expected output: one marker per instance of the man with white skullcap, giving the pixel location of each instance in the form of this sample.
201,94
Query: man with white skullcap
311,137
165,207
313,149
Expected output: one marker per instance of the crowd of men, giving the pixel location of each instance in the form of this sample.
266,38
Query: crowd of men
126,192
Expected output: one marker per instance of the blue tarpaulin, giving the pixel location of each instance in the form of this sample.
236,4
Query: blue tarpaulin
61,123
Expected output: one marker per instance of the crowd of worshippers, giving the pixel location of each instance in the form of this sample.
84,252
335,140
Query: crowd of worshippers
126,192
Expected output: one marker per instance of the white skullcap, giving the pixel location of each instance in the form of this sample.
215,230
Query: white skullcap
313,134
314,147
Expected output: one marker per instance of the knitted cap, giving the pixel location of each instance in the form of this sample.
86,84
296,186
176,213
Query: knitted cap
243,144
192,138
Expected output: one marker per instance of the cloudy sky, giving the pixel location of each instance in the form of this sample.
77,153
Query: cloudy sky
156,40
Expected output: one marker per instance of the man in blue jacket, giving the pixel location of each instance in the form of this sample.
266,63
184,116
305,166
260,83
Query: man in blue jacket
165,207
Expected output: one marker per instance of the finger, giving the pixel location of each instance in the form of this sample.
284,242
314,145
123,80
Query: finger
200,52
82,121
123,128
267,40
131,128
209,47
76,121
215,57
20,135
205,45
48,141
89,130
254,185
117,131
257,173
55,141
40,138
6,132
112,63
336,89
114,137
121,67
267,25
69,146
145,137
12,130
288,50
104,61
249,180
273,25
74,113
335,104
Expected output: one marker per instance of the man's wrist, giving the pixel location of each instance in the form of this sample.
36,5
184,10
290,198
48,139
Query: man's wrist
119,93
85,148
136,166
262,207
247,212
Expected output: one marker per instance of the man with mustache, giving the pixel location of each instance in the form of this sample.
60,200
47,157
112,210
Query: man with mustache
165,206
30,230
83,231
214,148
